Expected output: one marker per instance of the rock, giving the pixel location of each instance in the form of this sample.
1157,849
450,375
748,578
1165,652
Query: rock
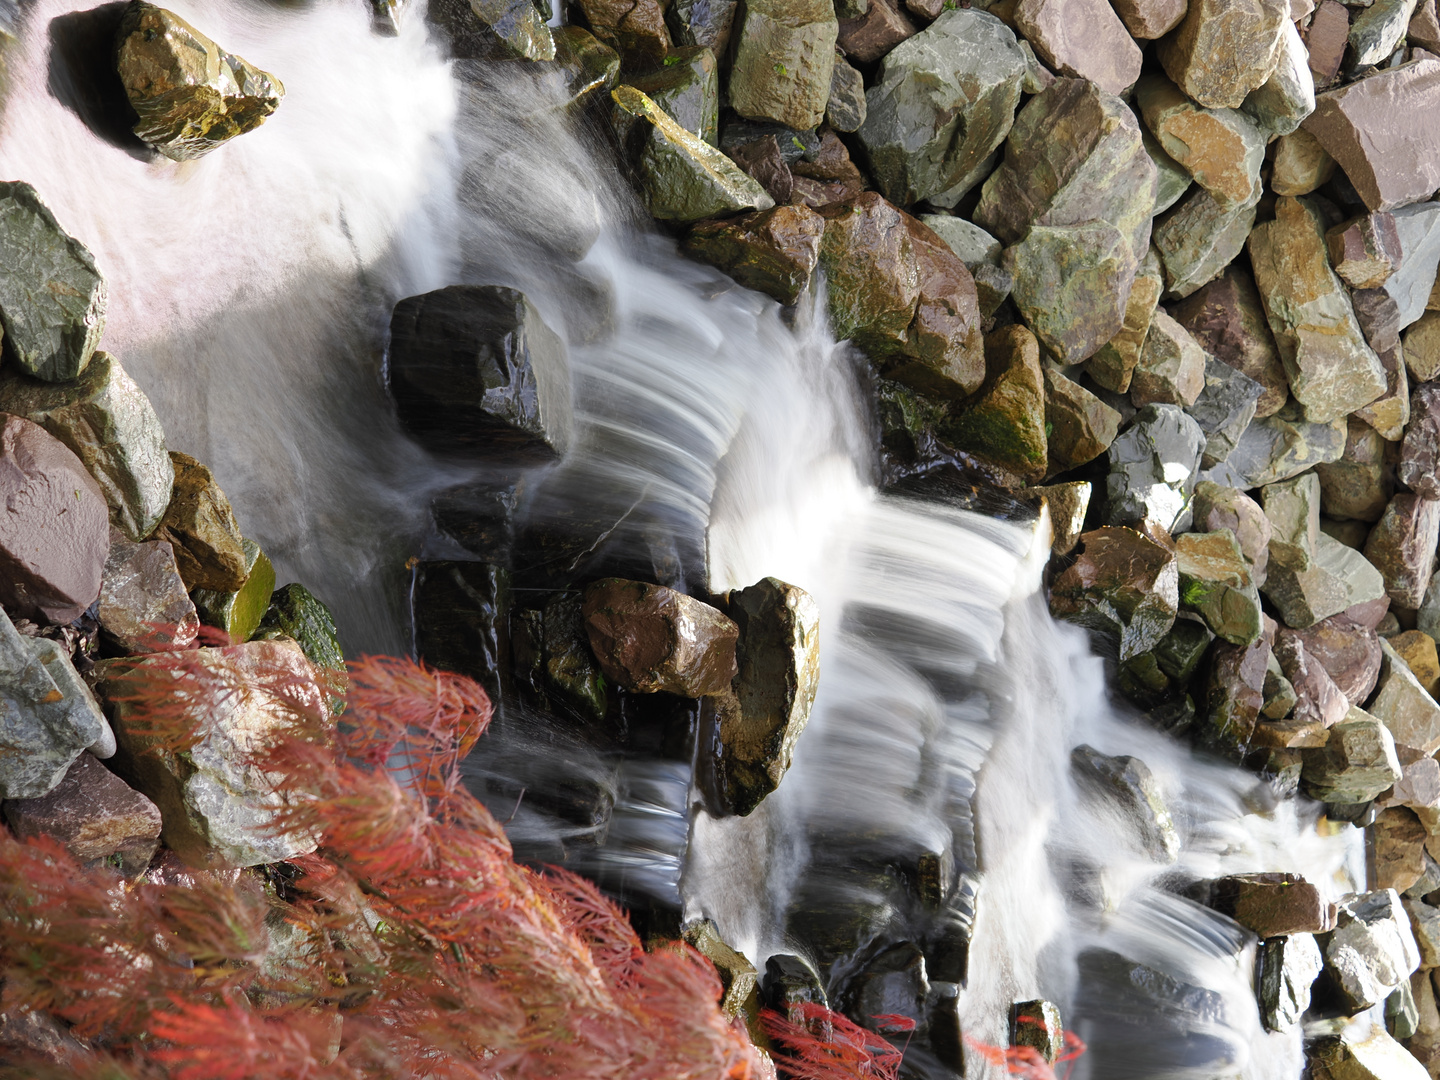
1036,1024
1365,251
636,31
686,89
1339,577
109,424
1424,29
773,251
901,295
1419,228
1300,163
1083,39
791,981
1215,582
1197,240
739,980
1417,649
846,108
783,61
649,638
143,603
1067,504
52,296
1224,409
1171,369
461,612
1360,484
1073,198
1128,785
1372,950
1420,450
1293,509
1081,427
1364,126
1279,447
48,716
971,244
1005,422
200,528
1371,1055
1422,348
1150,19
1403,705
1037,76
1121,583
1402,547
893,983
1218,507
295,613
1331,368
1222,51
869,36
95,814
942,101
1288,968
1152,467
1283,101
1234,694
190,95
1113,365
238,612
1319,703
1325,41
701,22
1377,30
1222,149
1272,905
763,161
1356,763
475,372
591,65
1390,412
1349,653
1227,319
1398,858
1173,181
219,810
830,178
1425,924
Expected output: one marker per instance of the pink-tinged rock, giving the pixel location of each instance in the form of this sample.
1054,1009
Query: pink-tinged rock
649,638
1420,452
1402,547
1326,39
1368,613
1360,484
1218,507
1273,905
1424,29
1365,251
143,603
1234,694
1081,38
1373,128
55,531
1227,320
1349,652
872,35
1123,583
1317,699
1150,19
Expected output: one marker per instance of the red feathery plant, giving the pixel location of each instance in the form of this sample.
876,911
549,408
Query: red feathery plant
814,1043
1026,1062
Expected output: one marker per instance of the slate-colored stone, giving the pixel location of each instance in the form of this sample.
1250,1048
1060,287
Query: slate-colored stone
1288,968
1173,180
701,22
1198,239
1279,447
553,661
1224,409
1293,509
1081,427
1376,31
1128,784
52,296
1356,763
200,528
590,64
1152,467
238,612
1402,547
1420,450
773,251
869,36
846,108
1372,950
1082,39
1122,583
1227,319
687,89
190,95
1221,148
1171,368
1005,421
649,638
784,57
1403,705
1221,51
144,606
1413,284
1338,578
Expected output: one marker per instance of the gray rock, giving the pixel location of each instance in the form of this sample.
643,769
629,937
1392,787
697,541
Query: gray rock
1224,409
110,425
1293,509
48,716
1128,784
893,983
1355,765
1338,578
1173,179
1403,706
1171,368
1152,468
1279,447
1215,582
52,297
783,61
1376,30
1198,239
971,244
1288,968
687,89
1410,286
701,22
846,108
942,102
143,603
1372,950
1288,96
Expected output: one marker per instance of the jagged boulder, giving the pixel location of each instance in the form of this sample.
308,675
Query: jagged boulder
649,638
1123,583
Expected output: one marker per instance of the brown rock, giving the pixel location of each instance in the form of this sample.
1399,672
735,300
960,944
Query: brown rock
1403,706
1005,421
52,544
1326,38
1171,370
95,814
762,161
872,35
633,28
1067,504
1402,547
1217,507
1390,412
1221,148
1317,699
1222,50
144,606
1150,19
1081,38
1081,426
1348,651
1365,251
1113,366
1234,694
1300,165
1273,905
1123,583
1227,320
1417,649
1370,128
1398,858
201,529
1424,29
774,251
1420,452
1360,484
649,638
1422,347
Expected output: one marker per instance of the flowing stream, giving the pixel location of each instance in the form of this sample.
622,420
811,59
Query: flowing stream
727,441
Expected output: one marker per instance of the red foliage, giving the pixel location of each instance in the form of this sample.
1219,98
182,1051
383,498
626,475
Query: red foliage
1025,1061
818,1044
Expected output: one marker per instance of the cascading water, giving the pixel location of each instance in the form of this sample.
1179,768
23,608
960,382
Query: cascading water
719,440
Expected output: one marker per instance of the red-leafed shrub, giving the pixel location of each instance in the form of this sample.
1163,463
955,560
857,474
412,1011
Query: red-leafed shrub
1026,1062
814,1043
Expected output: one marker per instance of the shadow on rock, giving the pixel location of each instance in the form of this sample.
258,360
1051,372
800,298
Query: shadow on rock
83,78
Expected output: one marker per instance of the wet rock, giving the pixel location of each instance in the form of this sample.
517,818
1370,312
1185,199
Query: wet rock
143,603
893,983
869,36
1365,127
1152,467
1215,582
763,161
1288,968
1372,950
942,102
1234,695
1398,849
846,109
1005,421
554,664
1293,510
52,296
48,716
520,25
686,89
739,980
1113,365
1331,368
296,613
95,814
1417,649
774,251
1402,547
1272,905
1319,702
1403,705
1420,450
1221,51
1377,29
1279,447
238,612
1338,577
1280,696
1171,369
1121,583
54,537
1129,785
219,811
1325,40
1197,240
1365,251
1360,484
1218,507
1085,40
784,57
1348,651
1356,763
461,615
636,31
971,244
190,95
1073,197
900,294
1364,1056
591,65
791,981
1418,226
1067,504
1224,409
1036,1024
1283,101
1221,148
1300,163
200,528
1150,19
1422,348
701,22
1227,320
1081,427
649,638
475,372
830,177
